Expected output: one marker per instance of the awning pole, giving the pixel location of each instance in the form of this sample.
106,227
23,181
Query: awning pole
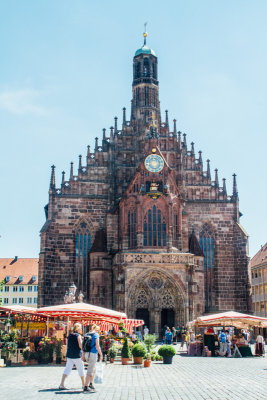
68,327
46,331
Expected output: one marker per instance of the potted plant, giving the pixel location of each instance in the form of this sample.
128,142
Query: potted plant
147,360
58,351
112,353
167,352
139,352
125,352
26,355
33,358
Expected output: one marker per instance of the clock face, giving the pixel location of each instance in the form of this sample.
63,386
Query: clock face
154,163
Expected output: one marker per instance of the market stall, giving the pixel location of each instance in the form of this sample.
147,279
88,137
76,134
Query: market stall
230,319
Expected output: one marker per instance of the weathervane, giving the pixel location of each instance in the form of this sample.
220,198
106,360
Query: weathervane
145,33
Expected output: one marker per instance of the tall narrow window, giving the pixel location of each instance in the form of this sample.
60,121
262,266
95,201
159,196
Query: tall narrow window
154,228
82,249
132,240
207,244
146,71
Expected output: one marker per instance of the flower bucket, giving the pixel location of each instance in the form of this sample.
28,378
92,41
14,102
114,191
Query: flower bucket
138,360
167,359
147,363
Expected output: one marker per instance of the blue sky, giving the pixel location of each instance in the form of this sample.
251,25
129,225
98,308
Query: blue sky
66,71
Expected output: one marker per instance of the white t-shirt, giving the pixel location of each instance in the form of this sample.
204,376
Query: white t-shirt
259,339
146,330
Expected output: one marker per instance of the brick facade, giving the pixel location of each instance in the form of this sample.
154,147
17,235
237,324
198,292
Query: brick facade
164,244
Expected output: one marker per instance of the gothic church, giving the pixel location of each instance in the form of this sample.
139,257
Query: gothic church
143,227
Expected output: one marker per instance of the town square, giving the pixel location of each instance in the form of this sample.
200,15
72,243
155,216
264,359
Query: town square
133,243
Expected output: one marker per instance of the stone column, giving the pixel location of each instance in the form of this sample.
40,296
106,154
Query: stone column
157,327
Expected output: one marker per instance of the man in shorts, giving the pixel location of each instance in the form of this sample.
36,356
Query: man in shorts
91,359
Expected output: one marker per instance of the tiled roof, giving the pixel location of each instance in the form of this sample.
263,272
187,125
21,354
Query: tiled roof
260,257
14,268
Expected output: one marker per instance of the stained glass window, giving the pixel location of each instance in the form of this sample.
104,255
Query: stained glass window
207,244
154,228
132,240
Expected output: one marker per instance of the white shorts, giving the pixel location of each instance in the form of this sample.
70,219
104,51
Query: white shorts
78,362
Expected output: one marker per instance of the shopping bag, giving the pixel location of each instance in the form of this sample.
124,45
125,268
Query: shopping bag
99,372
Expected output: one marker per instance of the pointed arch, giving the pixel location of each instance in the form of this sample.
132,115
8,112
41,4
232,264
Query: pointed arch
154,227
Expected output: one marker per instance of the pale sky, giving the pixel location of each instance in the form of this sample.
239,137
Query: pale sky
66,71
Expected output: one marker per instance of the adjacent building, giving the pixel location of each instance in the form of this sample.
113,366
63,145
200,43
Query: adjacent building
20,278
144,226
258,268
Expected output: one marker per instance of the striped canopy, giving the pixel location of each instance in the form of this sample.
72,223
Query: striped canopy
230,318
17,309
82,311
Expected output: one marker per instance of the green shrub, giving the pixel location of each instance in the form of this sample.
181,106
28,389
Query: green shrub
113,351
26,354
139,350
125,351
167,351
149,341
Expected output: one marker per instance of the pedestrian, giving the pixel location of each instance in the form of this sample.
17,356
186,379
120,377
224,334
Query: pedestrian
174,335
228,343
168,336
187,339
74,354
183,333
146,331
91,357
223,344
259,349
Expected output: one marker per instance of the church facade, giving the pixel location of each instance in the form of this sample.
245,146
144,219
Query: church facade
143,227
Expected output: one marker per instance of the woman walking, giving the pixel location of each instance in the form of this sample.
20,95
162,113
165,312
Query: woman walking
74,354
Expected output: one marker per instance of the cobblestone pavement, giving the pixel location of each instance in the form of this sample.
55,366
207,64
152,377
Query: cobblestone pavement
187,378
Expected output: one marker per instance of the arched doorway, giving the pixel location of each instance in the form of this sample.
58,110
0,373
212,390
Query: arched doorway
167,317
158,299
143,313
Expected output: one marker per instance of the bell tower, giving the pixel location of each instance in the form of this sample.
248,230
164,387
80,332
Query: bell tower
145,102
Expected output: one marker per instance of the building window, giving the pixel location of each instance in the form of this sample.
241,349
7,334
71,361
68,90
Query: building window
132,240
36,288
146,70
14,300
35,300
29,288
83,245
253,290
6,288
154,228
20,300
21,288
261,289
207,244
15,288
5,300
256,289
29,300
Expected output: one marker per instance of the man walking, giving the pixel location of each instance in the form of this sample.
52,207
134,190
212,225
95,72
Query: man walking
223,344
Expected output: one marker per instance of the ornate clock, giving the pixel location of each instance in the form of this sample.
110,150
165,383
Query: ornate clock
154,163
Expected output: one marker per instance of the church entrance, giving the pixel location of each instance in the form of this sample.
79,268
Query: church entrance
167,317
143,313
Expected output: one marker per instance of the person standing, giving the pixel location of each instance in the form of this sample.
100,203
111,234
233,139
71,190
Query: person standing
91,358
146,331
259,345
174,334
223,344
228,343
74,354
168,336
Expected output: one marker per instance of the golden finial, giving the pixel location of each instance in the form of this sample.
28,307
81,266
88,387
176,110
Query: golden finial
145,33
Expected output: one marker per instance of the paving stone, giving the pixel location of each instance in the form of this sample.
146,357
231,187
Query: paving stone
193,378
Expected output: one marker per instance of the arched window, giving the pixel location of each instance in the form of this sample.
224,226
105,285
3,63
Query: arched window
207,244
146,70
206,241
132,240
137,70
154,228
154,71
82,248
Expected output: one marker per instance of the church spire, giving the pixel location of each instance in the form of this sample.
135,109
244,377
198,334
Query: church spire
71,171
208,169
235,191
52,179
216,178
63,178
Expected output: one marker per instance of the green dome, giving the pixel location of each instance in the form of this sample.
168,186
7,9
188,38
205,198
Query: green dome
145,50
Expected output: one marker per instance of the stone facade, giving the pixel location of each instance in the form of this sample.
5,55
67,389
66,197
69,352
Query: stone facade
143,227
